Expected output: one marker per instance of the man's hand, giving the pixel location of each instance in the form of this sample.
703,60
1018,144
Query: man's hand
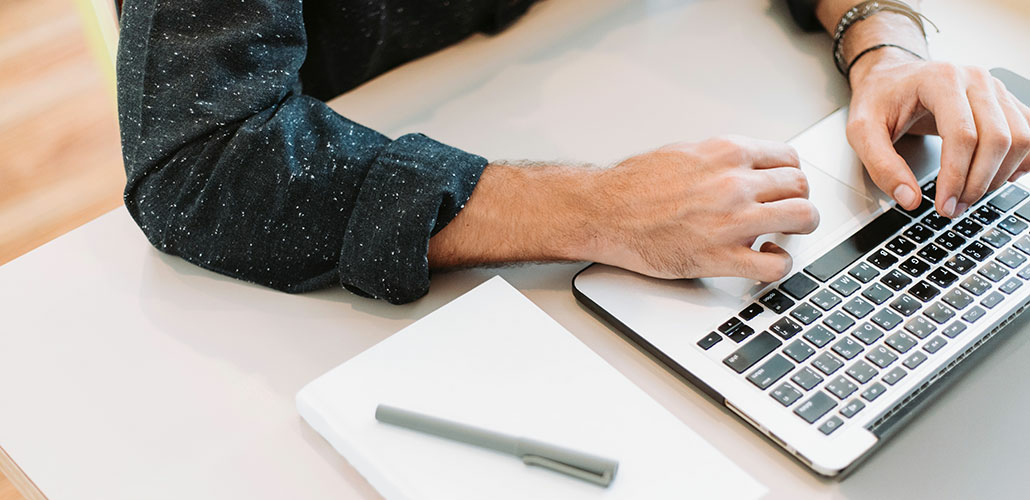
984,128
695,210
683,211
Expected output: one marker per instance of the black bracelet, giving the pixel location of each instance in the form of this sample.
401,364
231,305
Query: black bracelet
847,71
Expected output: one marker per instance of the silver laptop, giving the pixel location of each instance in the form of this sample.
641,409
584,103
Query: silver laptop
883,306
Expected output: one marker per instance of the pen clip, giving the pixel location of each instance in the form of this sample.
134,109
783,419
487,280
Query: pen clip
603,479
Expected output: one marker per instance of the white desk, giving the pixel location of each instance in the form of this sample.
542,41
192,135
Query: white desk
125,373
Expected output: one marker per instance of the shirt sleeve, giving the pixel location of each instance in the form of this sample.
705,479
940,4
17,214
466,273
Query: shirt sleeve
803,12
232,168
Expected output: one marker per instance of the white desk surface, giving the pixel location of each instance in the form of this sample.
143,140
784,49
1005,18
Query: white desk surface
125,373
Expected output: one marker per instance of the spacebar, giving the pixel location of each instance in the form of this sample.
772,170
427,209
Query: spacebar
849,250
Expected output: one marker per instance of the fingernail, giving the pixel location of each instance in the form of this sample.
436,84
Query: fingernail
904,195
961,207
949,206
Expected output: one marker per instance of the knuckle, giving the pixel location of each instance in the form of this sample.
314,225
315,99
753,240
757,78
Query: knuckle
1021,141
965,135
998,140
801,183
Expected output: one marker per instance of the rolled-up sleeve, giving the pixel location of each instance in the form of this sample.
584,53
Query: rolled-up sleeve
803,12
232,168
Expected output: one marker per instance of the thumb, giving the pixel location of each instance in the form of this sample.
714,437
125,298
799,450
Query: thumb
872,141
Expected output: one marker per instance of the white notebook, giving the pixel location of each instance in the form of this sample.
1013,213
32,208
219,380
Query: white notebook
491,358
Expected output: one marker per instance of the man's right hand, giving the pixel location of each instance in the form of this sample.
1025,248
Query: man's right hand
695,210
682,211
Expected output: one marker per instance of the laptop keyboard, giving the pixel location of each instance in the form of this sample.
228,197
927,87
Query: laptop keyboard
855,321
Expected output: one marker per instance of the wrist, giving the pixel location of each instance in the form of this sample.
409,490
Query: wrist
877,61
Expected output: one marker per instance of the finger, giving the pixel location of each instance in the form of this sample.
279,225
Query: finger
993,141
790,216
954,118
780,183
871,140
769,154
770,263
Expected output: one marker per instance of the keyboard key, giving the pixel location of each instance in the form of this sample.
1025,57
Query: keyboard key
852,408
886,319
935,344
853,248
776,301
1023,243
709,340
874,391
993,271
918,233
900,246
925,291
770,372
892,377
882,259
950,240
978,251
730,325
958,299
838,322
932,253
751,311
992,299
841,387
935,222
827,363
881,356
785,328
914,360
1013,225
807,378
914,267
862,372
798,351
900,342
995,238
805,313
815,407
954,329
865,273
924,205
960,264
1007,198
1010,285
825,299
1011,258
877,293
930,189
985,215
798,286
867,333
1024,211
845,285
786,394
752,352
974,314
976,285
818,335
740,333
967,227
920,327
895,280
1024,273
847,348
905,304
942,277
938,312
858,308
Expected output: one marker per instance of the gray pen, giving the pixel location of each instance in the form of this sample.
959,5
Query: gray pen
598,470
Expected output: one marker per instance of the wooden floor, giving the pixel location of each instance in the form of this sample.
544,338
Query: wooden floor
60,160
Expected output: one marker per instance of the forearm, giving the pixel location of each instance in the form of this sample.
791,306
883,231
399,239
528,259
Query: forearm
522,213
883,27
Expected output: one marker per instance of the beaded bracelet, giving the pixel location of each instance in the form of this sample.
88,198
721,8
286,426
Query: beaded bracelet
862,11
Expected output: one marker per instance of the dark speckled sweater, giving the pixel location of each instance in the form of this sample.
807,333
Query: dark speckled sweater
236,164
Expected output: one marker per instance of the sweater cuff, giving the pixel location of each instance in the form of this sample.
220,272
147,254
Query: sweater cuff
803,12
414,188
